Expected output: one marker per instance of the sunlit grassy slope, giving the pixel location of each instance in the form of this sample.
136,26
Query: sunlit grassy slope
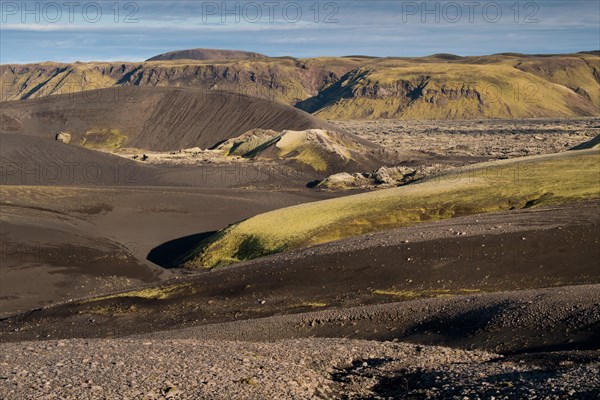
434,87
581,74
456,91
488,187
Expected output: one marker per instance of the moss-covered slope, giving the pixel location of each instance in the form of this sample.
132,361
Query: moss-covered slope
488,187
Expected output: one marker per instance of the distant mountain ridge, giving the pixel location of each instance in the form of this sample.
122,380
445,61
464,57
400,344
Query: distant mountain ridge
440,86
205,54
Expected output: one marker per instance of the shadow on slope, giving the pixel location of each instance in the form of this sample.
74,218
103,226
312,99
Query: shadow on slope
167,254
590,144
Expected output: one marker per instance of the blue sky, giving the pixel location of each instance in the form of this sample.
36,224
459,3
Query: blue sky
69,30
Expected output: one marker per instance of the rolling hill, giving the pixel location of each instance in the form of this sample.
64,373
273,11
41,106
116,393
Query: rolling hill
436,87
496,186
165,118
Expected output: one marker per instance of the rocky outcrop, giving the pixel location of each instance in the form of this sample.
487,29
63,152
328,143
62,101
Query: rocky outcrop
63,137
381,178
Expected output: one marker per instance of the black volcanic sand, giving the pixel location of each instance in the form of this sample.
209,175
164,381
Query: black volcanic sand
76,222
33,161
60,243
516,250
564,318
154,118
45,259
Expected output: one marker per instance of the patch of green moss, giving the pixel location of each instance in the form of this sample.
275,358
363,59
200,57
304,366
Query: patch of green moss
151,293
103,139
310,304
414,294
113,310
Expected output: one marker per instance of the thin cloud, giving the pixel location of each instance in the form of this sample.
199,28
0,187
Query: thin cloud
374,27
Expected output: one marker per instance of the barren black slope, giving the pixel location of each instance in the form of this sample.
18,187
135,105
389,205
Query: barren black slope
160,119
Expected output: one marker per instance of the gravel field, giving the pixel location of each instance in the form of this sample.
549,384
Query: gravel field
457,142
232,360
291,369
